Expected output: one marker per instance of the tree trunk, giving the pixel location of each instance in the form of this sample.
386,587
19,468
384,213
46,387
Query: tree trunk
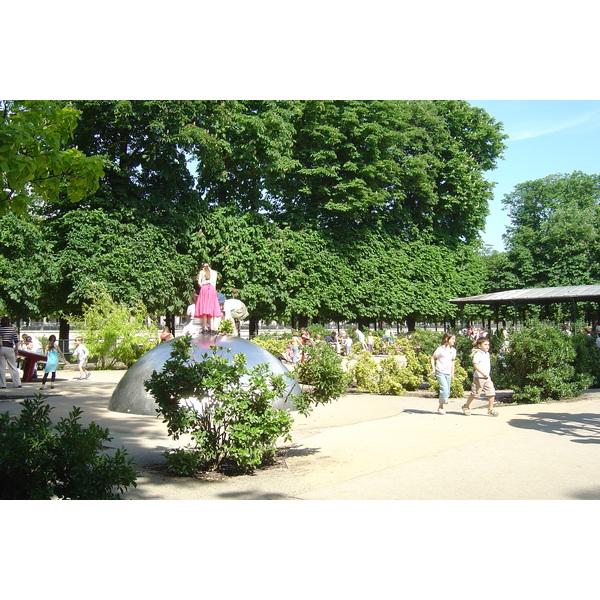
252,327
170,322
63,335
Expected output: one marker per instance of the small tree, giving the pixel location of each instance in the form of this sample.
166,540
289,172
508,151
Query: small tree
227,408
322,372
38,462
114,332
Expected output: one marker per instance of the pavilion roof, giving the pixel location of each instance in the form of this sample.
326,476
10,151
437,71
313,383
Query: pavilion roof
576,293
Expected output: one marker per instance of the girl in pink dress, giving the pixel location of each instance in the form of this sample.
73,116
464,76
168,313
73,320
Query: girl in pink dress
207,304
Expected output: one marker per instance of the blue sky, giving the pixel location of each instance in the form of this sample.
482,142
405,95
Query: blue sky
546,137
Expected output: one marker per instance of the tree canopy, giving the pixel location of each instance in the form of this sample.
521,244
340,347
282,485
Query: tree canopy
363,210
37,162
553,238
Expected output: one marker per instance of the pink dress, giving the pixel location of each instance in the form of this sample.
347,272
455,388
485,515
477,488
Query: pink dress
207,302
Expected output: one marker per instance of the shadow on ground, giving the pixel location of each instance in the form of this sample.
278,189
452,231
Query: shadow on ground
293,452
584,428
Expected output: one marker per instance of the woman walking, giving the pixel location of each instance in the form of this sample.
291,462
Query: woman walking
8,353
53,356
442,366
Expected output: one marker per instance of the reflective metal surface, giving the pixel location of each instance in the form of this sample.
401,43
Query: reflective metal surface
130,396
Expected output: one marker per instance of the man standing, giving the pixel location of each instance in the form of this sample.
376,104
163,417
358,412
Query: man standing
235,311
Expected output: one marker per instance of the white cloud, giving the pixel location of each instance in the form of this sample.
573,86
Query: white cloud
591,120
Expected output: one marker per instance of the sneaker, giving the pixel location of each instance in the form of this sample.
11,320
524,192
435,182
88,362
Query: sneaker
87,375
42,388
441,411
492,412
466,409
51,386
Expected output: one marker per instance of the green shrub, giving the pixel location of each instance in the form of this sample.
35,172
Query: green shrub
426,341
395,379
276,345
587,357
497,341
500,375
377,333
388,376
406,347
540,365
465,349
38,462
322,372
225,407
226,327
366,374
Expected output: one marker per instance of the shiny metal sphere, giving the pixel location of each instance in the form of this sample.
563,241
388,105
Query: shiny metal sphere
130,396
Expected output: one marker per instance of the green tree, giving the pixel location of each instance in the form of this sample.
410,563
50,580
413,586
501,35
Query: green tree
37,162
144,145
241,149
554,232
247,252
115,331
133,262
25,258
314,210
414,166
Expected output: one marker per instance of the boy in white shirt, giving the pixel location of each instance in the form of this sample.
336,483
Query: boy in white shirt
82,353
482,382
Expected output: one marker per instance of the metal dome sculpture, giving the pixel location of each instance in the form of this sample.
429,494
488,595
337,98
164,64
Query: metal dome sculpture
130,395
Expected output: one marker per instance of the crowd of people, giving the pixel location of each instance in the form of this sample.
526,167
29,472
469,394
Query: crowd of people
341,342
53,355
593,333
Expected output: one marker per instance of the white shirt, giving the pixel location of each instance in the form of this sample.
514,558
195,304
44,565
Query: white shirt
444,356
482,360
231,304
212,278
191,309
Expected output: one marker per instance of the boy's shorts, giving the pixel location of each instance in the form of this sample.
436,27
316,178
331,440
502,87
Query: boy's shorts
82,363
483,386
